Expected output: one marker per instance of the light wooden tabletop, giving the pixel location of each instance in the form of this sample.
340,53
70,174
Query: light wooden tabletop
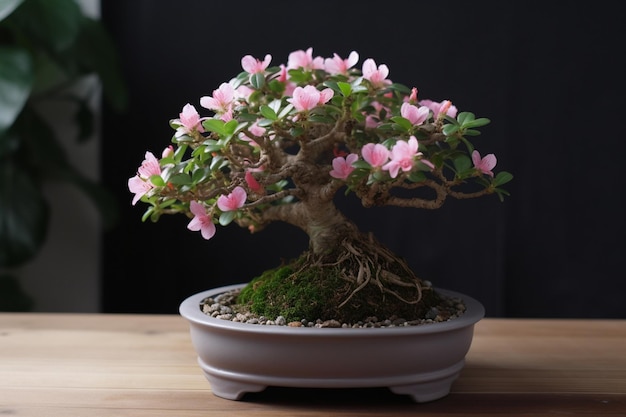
92,365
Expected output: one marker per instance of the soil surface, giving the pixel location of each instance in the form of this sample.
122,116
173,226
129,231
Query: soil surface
224,306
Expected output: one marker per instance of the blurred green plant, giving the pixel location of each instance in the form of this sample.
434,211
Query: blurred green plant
47,47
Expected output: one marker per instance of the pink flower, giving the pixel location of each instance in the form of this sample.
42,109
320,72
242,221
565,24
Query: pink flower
201,221
371,122
325,95
283,74
308,97
232,201
436,107
253,65
139,187
227,116
140,184
190,121
374,119
342,167
167,152
375,154
243,91
304,60
222,99
283,77
484,165
402,156
253,183
413,95
337,65
149,167
415,115
376,75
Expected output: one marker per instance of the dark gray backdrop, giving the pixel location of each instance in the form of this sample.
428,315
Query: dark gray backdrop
550,78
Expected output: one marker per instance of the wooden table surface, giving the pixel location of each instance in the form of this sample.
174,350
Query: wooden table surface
92,365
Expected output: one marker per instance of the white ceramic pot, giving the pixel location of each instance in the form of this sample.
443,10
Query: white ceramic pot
419,361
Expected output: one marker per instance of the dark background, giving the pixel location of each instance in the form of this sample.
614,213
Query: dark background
551,79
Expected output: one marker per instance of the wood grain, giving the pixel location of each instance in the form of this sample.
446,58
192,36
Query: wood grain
96,365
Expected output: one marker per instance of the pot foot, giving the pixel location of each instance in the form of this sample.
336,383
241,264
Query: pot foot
425,391
231,390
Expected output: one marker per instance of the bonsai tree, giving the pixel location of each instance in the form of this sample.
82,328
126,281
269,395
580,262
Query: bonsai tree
47,49
278,143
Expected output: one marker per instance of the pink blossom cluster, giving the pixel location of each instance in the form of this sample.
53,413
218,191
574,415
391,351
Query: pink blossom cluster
140,184
402,157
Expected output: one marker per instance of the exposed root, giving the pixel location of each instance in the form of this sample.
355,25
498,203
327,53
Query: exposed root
366,262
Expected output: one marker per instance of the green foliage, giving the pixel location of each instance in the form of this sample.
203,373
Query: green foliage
300,139
46,47
16,82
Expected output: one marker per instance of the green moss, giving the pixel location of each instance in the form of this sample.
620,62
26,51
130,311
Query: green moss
302,291
295,296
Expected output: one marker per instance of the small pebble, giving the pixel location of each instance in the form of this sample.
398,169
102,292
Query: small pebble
223,307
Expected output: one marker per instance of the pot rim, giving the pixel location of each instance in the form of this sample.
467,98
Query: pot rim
190,310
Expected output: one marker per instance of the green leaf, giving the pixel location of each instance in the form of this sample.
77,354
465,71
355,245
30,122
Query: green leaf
213,148
285,111
346,88
404,124
7,7
264,122
231,126
275,105
157,180
298,76
16,83
257,80
356,175
217,162
319,118
400,87
465,117
333,85
361,164
268,112
215,125
180,179
227,217
476,123
450,129
54,24
502,178
148,214
462,163
358,88
96,52
296,131
276,87
501,193
471,132
24,215
199,175
417,176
